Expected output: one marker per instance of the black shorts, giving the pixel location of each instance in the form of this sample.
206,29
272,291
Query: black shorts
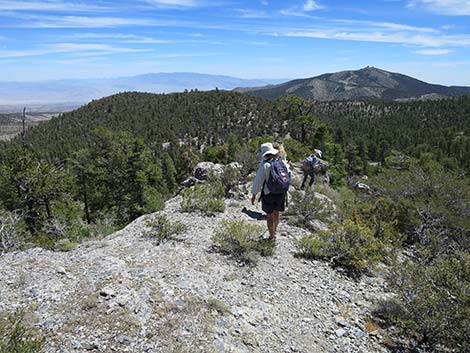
273,202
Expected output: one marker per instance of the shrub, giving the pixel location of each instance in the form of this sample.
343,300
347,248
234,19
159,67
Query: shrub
216,154
436,301
391,311
230,178
377,213
241,239
103,227
312,247
217,305
352,246
13,233
65,228
152,199
430,207
305,207
15,337
64,245
161,228
207,198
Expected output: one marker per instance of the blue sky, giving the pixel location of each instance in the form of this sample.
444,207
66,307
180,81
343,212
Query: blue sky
55,39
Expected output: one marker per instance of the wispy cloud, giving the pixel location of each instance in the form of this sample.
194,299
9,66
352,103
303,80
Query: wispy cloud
139,39
294,12
175,4
444,7
85,49
381,37
249,13
81,61
302,10
311,5
122,38
387,25
48,5
74,47
433,51
81,22
186,55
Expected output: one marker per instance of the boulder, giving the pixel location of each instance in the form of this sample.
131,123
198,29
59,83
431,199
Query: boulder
316,225
204,170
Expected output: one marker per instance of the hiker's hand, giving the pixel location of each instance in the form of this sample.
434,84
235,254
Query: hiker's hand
253,199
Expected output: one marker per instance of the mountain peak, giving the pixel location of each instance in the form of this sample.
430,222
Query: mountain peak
364,84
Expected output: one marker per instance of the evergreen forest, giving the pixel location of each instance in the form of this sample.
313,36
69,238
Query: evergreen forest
94,170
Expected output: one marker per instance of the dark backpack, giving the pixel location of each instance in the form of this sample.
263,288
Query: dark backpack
318,165
279,178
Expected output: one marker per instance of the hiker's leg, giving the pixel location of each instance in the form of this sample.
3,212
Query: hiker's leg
277,219
312,180
304,180
270,222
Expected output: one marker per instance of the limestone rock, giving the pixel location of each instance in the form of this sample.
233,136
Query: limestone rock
204,170
125,293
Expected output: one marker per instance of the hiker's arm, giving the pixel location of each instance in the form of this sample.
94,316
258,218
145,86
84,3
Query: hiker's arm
259,181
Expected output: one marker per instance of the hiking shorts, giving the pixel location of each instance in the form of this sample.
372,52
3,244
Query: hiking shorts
273,202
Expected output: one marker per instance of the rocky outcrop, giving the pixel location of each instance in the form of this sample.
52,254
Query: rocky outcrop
126,293
205,171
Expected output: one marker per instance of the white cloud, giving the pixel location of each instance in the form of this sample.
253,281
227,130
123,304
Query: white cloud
83,61
387,25
175,3
83,49
381,37
77,47
295,13
47,5
302,10
444,7
248,13
187,55
311,5
433,51
122,38
81,22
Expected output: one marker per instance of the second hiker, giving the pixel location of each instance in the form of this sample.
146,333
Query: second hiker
310,166
272,180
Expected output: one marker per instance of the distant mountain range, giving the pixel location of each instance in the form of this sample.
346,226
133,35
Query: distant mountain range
62,95
364,84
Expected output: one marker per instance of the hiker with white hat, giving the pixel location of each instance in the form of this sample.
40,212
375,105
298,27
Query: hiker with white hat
272,201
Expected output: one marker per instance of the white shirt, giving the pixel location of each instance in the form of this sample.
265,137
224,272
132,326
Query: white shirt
262,175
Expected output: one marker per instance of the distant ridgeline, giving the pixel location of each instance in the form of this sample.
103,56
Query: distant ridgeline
202,119
157,118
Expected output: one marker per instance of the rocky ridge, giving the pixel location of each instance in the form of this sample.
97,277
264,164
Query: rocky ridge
126,293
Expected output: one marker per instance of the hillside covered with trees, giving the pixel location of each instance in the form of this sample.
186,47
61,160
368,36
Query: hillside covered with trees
96,169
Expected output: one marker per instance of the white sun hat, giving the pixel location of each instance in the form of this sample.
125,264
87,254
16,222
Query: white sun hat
267,148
